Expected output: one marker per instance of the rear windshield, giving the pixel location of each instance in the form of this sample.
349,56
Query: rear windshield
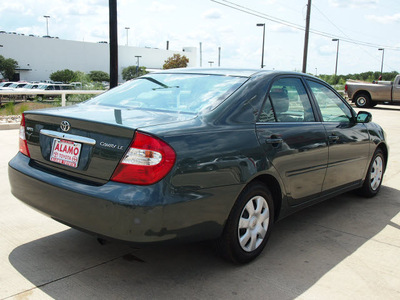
187,93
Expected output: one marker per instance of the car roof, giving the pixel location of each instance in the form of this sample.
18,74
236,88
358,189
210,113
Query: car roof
228,72
215,71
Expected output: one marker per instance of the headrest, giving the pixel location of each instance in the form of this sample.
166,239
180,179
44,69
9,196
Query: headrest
280,100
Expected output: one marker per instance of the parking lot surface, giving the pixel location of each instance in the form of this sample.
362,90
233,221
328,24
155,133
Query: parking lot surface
345,248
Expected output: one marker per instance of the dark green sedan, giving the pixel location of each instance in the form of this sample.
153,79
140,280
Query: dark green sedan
194,154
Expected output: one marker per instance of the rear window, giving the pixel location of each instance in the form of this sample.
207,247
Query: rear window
188,93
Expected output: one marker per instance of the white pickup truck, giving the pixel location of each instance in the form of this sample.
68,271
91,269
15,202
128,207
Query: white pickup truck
365,94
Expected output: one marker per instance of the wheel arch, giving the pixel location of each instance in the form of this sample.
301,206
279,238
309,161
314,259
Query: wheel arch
359,92
273,185
385,151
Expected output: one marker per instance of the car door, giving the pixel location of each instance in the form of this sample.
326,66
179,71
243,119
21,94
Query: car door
396,90
348,140
293,141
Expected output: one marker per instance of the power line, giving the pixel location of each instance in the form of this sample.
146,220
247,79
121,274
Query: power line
334,25
299,27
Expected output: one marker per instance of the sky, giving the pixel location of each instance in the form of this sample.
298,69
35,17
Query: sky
362,27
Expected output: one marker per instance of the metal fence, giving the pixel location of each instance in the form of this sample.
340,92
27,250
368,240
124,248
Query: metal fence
62,93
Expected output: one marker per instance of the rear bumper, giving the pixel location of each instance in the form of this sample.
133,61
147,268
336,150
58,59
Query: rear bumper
139,214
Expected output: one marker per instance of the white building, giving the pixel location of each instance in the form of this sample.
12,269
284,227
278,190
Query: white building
38,57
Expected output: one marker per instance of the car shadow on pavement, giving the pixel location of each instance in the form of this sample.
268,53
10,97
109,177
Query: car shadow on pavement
302,249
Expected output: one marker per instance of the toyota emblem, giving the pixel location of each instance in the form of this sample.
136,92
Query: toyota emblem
65,126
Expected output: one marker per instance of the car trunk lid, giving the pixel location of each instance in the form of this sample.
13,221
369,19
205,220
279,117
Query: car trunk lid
95,142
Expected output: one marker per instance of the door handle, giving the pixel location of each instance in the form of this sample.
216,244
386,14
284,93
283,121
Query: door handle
274,140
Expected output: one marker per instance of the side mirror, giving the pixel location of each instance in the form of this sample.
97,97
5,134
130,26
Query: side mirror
364,117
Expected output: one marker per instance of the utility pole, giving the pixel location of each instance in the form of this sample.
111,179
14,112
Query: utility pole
113,43
337,54
306,37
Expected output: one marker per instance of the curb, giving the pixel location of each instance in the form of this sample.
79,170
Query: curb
9,126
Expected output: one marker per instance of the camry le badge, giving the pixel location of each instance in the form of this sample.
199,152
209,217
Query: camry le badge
65,126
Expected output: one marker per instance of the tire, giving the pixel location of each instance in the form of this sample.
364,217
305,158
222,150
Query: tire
373,180
249,225
363,100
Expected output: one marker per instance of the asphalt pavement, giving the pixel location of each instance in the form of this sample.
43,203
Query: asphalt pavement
345,248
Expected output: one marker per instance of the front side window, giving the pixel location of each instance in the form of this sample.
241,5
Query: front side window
332,107
187,93
287,102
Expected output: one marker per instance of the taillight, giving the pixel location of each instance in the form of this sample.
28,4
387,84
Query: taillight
23,145
147,161
345,88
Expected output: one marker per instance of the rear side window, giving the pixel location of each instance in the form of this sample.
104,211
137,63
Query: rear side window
332,107
287,102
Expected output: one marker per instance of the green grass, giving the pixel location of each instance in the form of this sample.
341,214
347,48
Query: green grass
16,109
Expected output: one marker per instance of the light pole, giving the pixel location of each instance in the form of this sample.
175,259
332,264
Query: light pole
137,67
47,24
383,54
127,28
219,56
263,42
337,54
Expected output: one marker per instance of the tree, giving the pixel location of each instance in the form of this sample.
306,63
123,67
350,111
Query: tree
99,76
176,61
65,76
131,72
82,77
7,67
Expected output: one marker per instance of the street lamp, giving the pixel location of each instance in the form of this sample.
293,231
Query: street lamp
262,53
219,56
383,54
137,67
127,28
47,24
337,54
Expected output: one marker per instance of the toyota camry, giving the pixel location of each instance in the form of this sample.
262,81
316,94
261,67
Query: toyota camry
195,154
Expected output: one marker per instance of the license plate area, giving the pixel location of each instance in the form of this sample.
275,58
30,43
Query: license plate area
65,152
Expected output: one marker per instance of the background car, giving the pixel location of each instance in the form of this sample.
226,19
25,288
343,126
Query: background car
52,87
5,85
194,154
